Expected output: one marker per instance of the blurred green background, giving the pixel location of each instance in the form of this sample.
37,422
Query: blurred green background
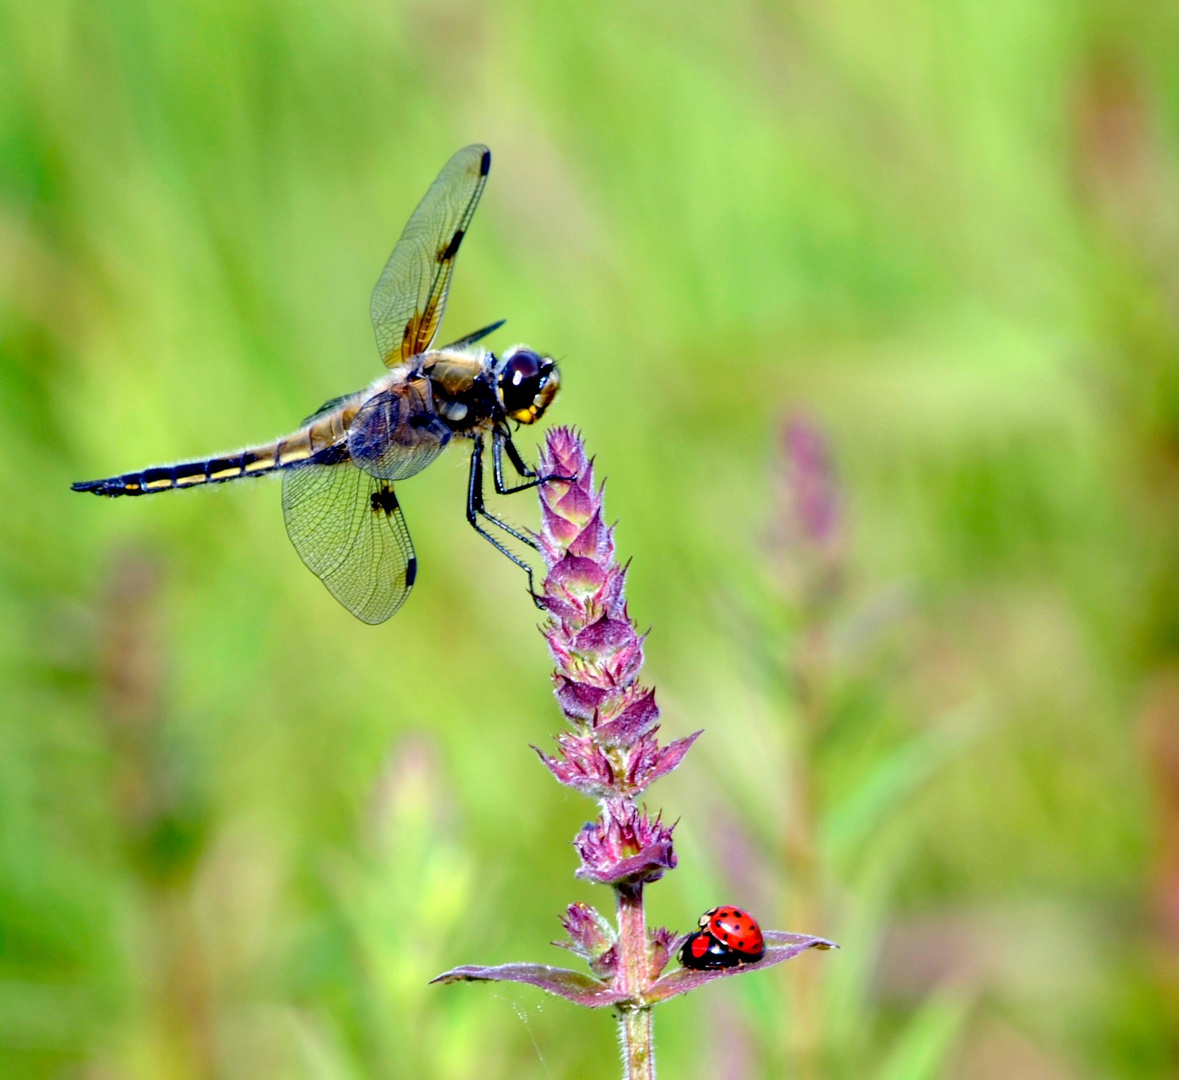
239,830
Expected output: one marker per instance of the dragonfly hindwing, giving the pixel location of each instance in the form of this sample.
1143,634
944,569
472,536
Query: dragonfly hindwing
331,405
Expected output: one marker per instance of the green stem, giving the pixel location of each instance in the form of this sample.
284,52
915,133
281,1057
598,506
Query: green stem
634,966
638,1045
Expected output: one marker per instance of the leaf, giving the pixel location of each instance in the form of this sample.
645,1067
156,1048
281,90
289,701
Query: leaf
572,985
919,1052
896,778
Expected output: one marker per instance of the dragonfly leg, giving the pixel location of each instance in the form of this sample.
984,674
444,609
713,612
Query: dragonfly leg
476,509
501,441
481,508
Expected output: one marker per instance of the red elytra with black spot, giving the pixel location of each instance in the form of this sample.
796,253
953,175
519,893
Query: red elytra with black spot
736,929
702,952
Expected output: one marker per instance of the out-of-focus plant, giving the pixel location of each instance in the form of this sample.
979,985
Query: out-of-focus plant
395,906
816,642
160,804
612,754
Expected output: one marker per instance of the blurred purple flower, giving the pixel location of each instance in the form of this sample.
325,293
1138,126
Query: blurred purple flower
807,540
812,490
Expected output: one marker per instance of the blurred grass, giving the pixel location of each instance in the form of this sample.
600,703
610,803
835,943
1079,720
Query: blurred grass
948,231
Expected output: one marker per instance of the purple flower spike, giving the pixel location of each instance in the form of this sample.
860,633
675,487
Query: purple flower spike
598,652
611,754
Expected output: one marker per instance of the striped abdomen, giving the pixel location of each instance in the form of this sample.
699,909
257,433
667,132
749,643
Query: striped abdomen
326,431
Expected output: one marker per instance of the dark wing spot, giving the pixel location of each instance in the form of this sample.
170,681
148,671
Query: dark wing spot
411,572
485,163
383,500
451,249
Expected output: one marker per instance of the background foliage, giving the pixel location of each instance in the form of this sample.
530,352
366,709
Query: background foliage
239,830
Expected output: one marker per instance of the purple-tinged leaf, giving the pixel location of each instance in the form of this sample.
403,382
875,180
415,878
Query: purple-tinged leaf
780,946
590,932
576,574
572,985
579,700
605,635
606,965
595,541
648,761
786,938
582,766
624,846
635,721
659,950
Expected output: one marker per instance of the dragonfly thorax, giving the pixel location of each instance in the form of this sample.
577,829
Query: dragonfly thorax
463,388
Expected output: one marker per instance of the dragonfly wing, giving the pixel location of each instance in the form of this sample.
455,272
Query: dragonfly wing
478,335
410,296
328,406
348,529
397,432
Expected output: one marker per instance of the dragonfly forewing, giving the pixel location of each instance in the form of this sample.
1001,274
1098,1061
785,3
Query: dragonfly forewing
409,298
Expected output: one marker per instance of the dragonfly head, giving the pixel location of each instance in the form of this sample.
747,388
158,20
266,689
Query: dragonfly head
526,383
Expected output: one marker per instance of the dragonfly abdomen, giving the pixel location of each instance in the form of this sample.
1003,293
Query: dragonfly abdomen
255,461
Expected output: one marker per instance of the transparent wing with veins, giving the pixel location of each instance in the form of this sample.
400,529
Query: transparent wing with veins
349,531
410,296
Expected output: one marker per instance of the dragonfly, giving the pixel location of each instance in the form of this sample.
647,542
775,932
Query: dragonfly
339,468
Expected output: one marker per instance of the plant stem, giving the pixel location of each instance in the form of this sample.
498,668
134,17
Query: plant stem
638,1041
805,1033
638,1045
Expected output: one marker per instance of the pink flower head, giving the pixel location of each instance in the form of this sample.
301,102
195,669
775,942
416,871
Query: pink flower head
590,933
624,846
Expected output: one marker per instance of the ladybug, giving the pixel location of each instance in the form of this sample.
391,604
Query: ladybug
737,929
727,937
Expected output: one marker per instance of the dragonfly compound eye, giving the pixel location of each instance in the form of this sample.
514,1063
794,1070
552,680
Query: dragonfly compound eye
523,384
